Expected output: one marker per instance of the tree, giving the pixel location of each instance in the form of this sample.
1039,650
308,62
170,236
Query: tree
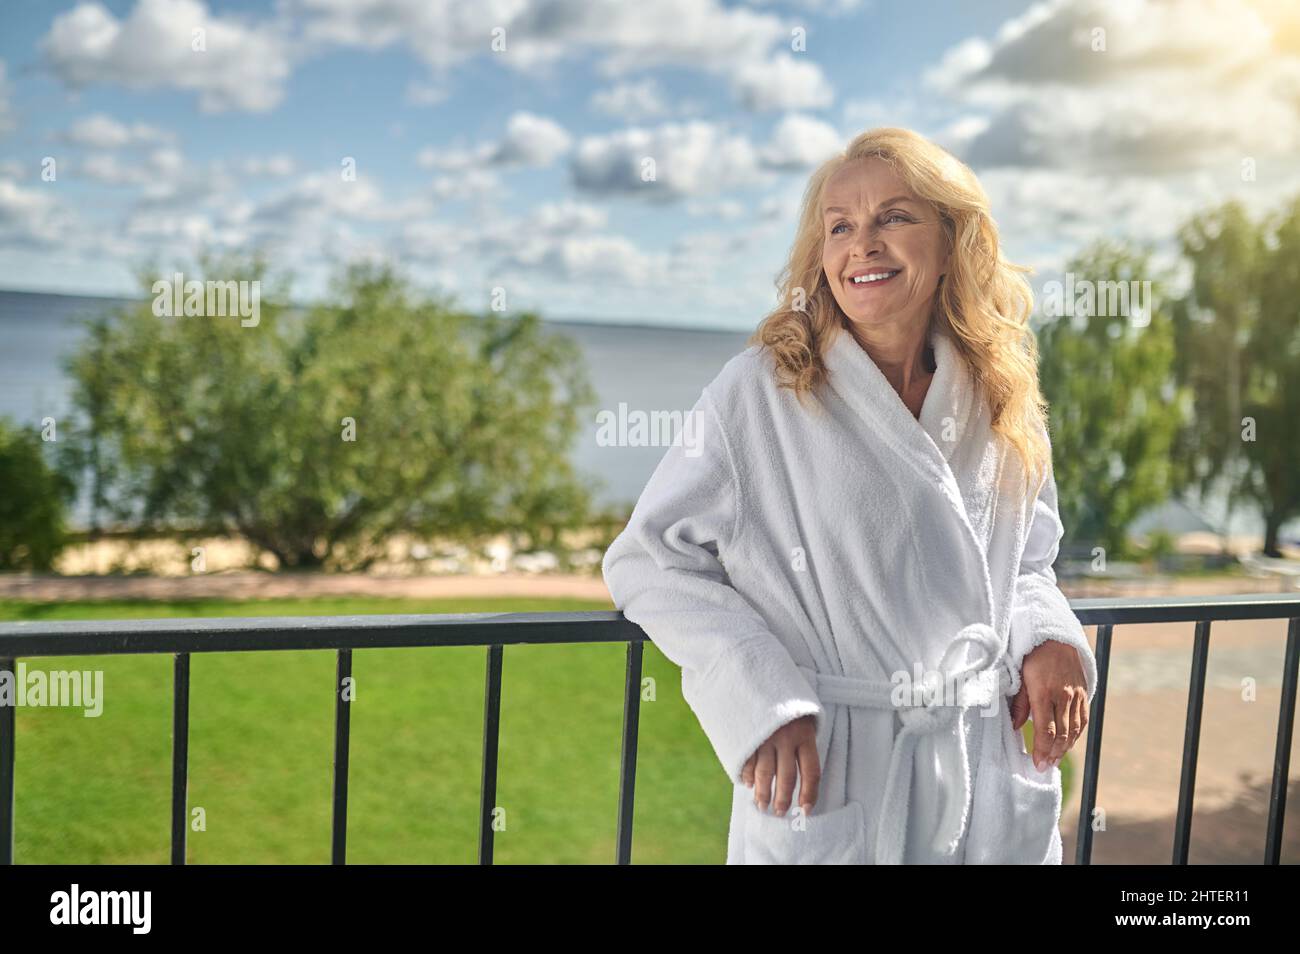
1238,332
33,505
1272,394
318,434
1107,375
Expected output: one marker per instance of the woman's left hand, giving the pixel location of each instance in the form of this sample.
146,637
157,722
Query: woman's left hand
1054,690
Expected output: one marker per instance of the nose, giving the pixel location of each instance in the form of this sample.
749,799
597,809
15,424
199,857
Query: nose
868,241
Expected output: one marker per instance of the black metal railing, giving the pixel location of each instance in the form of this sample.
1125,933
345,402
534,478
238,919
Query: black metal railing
495,631
343,634
1106,614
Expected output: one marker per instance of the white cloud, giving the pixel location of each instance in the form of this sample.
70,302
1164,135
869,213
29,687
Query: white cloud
957,135
801,142
466,183
158,168
1084,42
32,218
558,242
631,101
832,8
594,260
240,66
783,82
567,216
694,158
733,43
100,131
1129,86
316,199
529,140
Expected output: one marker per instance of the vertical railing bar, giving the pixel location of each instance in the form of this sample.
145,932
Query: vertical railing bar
1092,758
342,750
180,754
1282,756
8,736
1191,743
631,729
491,738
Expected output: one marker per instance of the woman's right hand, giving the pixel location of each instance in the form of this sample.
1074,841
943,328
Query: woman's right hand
792,746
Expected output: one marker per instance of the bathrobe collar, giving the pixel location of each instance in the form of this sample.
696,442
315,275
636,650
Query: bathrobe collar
953,426
928,443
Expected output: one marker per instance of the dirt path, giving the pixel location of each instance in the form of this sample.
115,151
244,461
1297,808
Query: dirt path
246,584
250,585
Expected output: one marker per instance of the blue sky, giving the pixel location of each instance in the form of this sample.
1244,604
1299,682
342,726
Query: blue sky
516,168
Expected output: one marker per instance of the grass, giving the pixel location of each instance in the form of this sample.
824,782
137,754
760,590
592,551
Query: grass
97,790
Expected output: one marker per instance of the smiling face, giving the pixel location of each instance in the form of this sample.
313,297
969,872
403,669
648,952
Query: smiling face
875,225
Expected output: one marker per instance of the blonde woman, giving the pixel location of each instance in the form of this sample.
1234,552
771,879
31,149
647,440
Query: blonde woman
852,559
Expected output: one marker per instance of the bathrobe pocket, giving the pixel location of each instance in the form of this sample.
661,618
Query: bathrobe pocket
1017,812
836,837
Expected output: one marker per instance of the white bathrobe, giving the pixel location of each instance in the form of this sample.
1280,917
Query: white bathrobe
798,560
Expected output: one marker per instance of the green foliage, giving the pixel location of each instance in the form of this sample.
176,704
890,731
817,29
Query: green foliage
318,434
1239,344
1160,543
1115,409
33,502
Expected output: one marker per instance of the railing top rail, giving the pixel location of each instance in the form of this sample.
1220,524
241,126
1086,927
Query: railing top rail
237,634
1184,609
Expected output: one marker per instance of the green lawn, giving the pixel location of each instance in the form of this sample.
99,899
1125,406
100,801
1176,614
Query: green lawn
97,790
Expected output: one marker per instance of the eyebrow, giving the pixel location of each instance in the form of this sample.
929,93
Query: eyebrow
897,198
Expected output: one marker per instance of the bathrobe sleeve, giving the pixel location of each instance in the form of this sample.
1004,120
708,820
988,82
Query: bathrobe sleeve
663,571
1040,611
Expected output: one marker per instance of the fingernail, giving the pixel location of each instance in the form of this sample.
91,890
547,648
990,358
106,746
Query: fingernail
1038,765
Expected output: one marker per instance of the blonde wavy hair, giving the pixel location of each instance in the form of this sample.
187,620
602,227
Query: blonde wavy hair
983,301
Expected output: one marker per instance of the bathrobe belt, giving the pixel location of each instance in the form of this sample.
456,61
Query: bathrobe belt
981,683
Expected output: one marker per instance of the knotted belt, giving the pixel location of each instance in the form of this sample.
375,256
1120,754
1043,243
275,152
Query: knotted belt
976,683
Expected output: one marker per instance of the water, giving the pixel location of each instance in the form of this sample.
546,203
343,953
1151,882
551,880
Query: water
648,368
